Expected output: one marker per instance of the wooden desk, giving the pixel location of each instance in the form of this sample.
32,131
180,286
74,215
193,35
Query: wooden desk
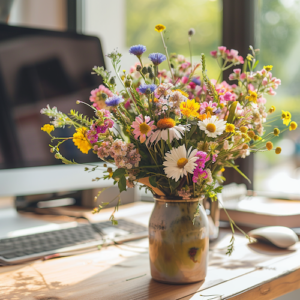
122,272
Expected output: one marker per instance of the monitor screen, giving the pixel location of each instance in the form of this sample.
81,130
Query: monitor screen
40,67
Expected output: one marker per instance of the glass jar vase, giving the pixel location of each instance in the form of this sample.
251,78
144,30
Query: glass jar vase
178,240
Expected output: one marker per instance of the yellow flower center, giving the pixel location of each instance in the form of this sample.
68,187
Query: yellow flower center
278,150
293,126
243,129
209,109
144,128
211,127
276,131
166,123
182,162
269,145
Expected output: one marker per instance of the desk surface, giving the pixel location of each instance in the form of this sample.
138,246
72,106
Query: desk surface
253,271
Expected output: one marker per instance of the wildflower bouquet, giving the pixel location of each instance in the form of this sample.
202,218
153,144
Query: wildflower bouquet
174,131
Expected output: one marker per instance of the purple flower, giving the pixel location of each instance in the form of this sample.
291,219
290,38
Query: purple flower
115,100
157,58
144,87
199,172
202,159
137,50
196,80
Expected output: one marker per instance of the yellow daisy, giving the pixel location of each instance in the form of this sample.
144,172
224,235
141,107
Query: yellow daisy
293,126
190,108
47,128
252,96
80,140
286,117
160,27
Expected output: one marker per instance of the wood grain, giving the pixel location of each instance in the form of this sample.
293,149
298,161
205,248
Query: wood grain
253,272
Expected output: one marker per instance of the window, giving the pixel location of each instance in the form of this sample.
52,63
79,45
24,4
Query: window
280,43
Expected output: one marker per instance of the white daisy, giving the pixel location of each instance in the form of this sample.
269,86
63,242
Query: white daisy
178,162
167,128
212,126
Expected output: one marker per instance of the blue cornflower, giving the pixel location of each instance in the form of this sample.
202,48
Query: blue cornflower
157,58
144,87
196,80
115,100
137,50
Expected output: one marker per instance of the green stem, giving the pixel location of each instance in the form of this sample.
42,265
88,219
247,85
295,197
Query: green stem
164,44
190,47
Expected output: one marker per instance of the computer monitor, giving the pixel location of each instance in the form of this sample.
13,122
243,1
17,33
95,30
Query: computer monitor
40,67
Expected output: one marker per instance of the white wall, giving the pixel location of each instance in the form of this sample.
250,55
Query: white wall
46,14
107,20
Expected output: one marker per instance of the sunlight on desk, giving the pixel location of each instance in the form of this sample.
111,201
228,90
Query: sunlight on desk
122,272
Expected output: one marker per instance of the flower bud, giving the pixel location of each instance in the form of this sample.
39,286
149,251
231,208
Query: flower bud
112,80
145,70
150,70
191,31
138,68
151,75
147,92
128,83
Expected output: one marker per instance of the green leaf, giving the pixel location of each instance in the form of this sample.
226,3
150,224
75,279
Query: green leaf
238,170
122,184
218,189
141,175
231,115
114,222
118,173
256,63
152,181
174,184
194,127
249,64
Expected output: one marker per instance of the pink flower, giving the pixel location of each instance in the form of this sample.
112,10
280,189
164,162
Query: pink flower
251,87
232,76
243,76
185,65
241,59
142,128
106,113
237,71
192,85
204,107
109,123
199,173
271,92
184,80
214,157
261,100
228,96
127,104
222,49
98,98
265,81
213,54
202,159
